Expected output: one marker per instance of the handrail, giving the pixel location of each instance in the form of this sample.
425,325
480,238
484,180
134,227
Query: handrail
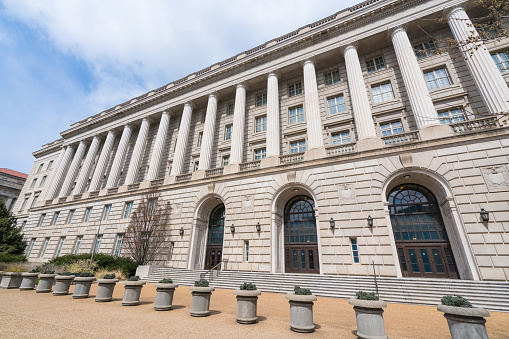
217,267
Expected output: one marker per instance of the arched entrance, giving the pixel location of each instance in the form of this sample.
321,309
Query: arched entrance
215,236
300,240
421,239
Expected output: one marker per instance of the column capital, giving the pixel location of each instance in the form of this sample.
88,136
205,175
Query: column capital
242,84
274,73
310,59
352,46
214,95
451,11
190,103
394,30
129,125
112,132
147,119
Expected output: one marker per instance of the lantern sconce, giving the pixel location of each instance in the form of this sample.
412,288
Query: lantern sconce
332,224
232,228
370,221
258,227
485,215
181,232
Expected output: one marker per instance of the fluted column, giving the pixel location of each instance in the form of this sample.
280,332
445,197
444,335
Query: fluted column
63,163
180,149
73,169
313,119
208,133
139,147
157,152
239,116
360,102
97,177
487,77
118,161
87,166
273,134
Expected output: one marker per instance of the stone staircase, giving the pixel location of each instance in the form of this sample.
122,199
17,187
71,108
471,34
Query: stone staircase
490,295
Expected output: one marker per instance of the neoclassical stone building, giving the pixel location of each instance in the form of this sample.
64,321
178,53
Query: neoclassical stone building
346,143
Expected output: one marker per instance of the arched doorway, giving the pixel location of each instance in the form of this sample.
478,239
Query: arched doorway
215,236
420,235
301,245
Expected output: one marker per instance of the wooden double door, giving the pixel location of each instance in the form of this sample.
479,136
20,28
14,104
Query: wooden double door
301,258
213,256
427,260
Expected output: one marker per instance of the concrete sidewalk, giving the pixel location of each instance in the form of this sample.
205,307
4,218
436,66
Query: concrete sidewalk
26,314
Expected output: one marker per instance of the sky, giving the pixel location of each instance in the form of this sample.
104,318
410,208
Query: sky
62,61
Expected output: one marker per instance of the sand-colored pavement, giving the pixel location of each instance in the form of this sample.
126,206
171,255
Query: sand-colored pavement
26,314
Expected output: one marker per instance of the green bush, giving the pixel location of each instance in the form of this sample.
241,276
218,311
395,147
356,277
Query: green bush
301,291
48,272
9,257
201,283
134,278
166,281
109,276
65,273
366,295
109,262
456,301
85,274
248,287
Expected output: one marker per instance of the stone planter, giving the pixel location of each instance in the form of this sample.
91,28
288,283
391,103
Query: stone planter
29,281
1,274
132,292
164,296
200,301
45,283
246,306
62,284
465,323
370,319
82,287
301,312
11,280
105,289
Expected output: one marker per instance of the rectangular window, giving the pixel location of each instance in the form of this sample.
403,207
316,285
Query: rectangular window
296,115
260,154
40,168
127,209
118,245
294,89
33,183
106,213
332,78
98,241
170,254
196,166
261,100
88,212
341,138
41,220
246,250
226,160
44,247
501,60
59,247
230,109
382,92
298,146
437,78
77,244
50,165
152,206
69,217
355,250
261,124
200,139
391,128
375,64
424,49
23,225
43,180
228,132
336,104
450,116
31,247
203,117
488,30
55,218
25,202
36,197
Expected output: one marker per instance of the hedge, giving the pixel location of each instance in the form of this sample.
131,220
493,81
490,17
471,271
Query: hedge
126,265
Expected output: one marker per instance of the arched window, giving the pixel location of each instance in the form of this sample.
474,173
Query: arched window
216,226
300,220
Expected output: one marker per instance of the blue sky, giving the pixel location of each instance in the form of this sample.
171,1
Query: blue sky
62,61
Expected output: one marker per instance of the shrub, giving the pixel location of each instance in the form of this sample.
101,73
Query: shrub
248,287
101,273
33,271
201,283
134,278
109,276
9,257
366,295
456,301
65,273
16,267
301,291
166,281
80,266
105,261
48,272
87,274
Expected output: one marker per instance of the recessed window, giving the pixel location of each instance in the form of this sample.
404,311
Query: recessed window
355,250
200,138
77,245
382,92
226,160
118,245
40,168
41,219
98,241
298,146
246,250
296,115
341,138
44,247
50,165
25,202
450,116
33,183
23,225
127,209
106,212
502,61
203,117
375,64
488,30
424,49
88,212
196,165
261,124
69,217
43,180
230,109
261,100
336,104
36,197
260,153
59,246
332,78
31,246
391,128
55,218
170,254
228,132
437,78
294,89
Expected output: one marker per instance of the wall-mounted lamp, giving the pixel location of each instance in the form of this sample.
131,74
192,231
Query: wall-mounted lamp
332,223
370,221
181,232
485,215
258,227
232,228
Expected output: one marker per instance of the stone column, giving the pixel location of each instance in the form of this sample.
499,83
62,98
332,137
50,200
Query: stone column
239,116
273,129
54,180
157,152
423,109
119,159
208,133
97,177
87,166
139,147
313,119
487,77
73,169
180,149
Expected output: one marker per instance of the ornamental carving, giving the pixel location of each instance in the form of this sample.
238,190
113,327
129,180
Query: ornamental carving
496,178
346,193
176,209
247,203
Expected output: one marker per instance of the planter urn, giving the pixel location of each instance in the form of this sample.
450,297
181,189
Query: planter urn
200,300
11,280
105,289
164,296
369,316
45,283
29,281
465,323
132,292
301,312
246,306
62,284
82,287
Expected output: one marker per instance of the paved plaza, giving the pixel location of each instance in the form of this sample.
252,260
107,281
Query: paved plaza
26,314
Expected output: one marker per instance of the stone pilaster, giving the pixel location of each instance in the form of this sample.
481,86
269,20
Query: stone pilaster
97,177
239,116
73,169
208,134
312,107
118,161
63,163
273,129
87,166
180,149
157,153
139,147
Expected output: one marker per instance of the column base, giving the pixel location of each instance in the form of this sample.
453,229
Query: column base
169,180
200,174
435,132
369,144
231,168
270,161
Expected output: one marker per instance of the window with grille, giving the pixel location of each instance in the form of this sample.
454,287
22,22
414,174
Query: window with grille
437,78
44,247
43,180
106,213
488,30
40,168
296,115
261,100
59,246
98,241
298,146
33,183
450,116
391,128
31,247
203,117
230,109
424,49
355,250
375,64
88,212
260,154
69,217
118,245
341,138
50,165
294,89
200,138
24,203
55,218
228,132
246,250
501,60
41,219
332,78
127,209
226,160
336,104
382,92
261,124
77,245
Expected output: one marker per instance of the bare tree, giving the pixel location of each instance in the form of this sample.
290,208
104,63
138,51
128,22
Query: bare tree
146,234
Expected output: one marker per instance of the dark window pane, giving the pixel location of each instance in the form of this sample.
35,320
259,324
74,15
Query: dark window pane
425,260
413,261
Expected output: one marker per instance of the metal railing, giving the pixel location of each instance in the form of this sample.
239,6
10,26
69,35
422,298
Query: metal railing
285,159
474,125
245,166
400,138
216,269
339,149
